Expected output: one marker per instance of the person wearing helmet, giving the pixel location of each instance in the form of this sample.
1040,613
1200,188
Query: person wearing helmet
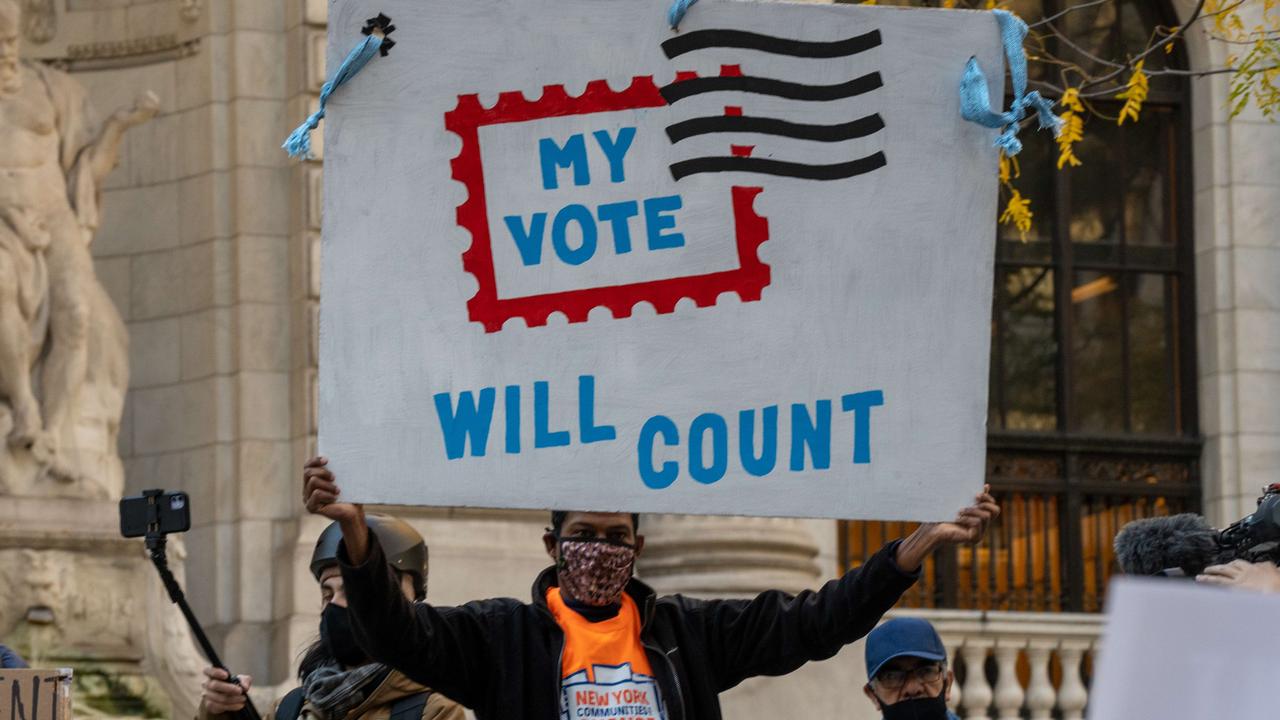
338,681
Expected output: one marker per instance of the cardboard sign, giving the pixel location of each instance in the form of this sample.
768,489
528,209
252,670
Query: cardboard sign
575,259
1175,649
35,694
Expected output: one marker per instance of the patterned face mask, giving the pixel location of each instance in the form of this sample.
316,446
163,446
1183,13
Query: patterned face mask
595,571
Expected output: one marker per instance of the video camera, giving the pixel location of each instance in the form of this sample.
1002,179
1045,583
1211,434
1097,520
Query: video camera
1184,545
153,515
1256,537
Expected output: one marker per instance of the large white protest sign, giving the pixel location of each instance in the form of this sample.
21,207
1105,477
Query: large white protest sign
1174,649
575,259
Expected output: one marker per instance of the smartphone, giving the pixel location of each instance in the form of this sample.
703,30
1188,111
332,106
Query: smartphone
155,511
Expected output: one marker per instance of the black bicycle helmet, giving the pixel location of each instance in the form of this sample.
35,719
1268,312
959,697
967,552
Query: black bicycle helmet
405,549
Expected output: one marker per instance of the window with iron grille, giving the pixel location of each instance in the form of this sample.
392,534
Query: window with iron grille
1092,419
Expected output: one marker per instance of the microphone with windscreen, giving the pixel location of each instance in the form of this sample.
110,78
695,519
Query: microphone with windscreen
1178,545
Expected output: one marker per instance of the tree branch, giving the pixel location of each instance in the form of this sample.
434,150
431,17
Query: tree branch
1068,11
1215,71
1224,10
1270,36
1195,15
1062,37
1042,85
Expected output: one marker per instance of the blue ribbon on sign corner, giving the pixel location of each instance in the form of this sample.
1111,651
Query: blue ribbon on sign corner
299,141
975,104
677,10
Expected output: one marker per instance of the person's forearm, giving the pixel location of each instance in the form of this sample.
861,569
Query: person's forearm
775,633
918,546
355,533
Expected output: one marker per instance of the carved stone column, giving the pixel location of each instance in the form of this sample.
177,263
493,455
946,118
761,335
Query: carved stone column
1072,695
1008,691
1040,691
729,556
977,692
952,643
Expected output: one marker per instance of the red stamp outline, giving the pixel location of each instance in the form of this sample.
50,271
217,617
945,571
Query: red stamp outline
465,120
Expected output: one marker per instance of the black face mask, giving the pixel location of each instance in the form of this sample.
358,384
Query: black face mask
338,636
925,708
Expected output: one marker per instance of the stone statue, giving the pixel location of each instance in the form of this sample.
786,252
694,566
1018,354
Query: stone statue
76,593
53,311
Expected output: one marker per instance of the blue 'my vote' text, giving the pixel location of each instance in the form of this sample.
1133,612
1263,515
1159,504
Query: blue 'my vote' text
577,232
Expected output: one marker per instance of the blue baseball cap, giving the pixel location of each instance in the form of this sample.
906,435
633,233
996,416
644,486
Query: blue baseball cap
903,637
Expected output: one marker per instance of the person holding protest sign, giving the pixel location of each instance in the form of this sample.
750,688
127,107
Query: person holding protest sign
597,643
339,682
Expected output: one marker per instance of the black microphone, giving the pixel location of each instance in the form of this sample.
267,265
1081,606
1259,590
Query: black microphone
1184,544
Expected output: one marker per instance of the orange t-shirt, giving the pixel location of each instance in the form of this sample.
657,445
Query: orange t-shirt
604,672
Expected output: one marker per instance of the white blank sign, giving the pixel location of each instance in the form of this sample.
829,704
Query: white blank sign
573,259
1174,649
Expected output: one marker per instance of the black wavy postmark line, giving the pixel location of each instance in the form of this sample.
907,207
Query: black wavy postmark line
682,89
862,127
703,39
782,168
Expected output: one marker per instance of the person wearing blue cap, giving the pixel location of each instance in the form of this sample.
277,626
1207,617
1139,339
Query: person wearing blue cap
907,675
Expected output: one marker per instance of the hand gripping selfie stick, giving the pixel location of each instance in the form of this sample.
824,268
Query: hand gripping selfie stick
156,541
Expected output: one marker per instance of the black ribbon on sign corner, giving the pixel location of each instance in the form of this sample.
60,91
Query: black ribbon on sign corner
382,23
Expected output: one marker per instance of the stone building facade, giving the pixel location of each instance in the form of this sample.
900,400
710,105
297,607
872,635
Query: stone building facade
209,246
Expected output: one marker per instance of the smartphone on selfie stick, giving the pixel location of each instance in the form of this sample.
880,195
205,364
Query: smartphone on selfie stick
153,515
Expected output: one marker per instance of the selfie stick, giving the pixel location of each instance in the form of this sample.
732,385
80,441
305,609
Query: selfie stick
156,547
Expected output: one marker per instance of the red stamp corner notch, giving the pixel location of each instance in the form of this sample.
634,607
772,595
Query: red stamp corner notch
748,279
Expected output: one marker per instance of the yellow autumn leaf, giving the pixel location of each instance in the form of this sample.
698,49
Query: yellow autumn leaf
1008,168
948,3
1072,128
1226,20
1018,213
1072,133
1134,94
1213,7
1071,100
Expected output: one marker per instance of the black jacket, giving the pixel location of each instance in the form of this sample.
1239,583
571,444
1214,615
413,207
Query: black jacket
501,657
